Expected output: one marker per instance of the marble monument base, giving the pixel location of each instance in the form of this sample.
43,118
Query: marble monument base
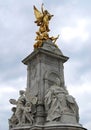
51,127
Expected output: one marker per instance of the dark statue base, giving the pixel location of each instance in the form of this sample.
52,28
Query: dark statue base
51,127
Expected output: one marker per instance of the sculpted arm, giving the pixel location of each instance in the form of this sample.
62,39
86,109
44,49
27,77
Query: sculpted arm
48,98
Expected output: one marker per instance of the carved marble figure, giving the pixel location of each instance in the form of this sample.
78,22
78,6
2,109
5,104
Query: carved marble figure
20,103
58,102
13,121
24,111
27,114
20,106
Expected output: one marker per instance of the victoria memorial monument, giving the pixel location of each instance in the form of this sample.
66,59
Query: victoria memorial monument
45,104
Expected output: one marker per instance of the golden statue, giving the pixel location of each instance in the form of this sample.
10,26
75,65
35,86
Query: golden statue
42,20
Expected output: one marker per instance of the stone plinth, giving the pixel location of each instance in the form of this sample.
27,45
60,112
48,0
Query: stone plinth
51,127
46,104
44,65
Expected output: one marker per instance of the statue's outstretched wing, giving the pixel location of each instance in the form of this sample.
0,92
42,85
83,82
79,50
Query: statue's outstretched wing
13,101
37,13
70,99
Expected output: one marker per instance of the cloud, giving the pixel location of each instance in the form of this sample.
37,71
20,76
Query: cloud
82,93
17,33
77,32
8,90
88,125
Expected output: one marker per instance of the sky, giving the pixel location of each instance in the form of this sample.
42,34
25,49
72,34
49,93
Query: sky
72,21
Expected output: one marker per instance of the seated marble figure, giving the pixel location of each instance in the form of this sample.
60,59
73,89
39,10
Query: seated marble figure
58,102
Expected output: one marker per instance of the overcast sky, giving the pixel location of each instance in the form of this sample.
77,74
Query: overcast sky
72,20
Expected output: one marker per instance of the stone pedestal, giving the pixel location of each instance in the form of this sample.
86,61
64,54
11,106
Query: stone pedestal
58,127
51,127
44,65
53,107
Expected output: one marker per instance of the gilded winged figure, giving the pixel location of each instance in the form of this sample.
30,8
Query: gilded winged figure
42,19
